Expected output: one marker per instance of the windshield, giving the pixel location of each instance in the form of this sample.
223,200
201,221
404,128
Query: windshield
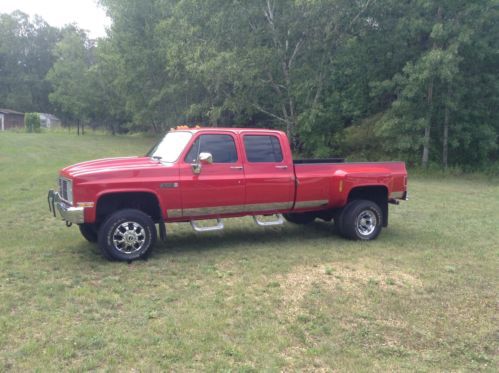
169,149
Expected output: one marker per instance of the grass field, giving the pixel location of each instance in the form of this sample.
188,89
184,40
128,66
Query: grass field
423,297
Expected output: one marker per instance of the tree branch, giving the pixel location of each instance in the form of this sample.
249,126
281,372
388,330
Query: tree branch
295,51
364,8
269,113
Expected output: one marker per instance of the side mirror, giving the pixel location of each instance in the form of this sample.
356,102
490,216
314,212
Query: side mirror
196,168
205,158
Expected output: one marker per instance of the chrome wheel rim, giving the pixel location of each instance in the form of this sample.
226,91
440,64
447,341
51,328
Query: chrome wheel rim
129,237
366,222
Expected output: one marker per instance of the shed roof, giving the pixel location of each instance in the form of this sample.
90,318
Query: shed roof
8,111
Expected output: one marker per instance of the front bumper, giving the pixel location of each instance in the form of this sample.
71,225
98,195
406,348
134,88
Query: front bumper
67,212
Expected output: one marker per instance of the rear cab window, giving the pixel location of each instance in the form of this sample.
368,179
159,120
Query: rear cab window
262,149
221,146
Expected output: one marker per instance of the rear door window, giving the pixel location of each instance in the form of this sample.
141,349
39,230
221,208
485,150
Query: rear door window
262,148
221,147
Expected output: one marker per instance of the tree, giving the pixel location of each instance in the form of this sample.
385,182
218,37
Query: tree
135,39
25,58
106,105
416,80
431,56
72,92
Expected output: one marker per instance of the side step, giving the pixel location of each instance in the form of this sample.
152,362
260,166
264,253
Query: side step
220,224
218,227
279,221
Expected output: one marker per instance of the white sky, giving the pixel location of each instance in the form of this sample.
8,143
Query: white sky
87,14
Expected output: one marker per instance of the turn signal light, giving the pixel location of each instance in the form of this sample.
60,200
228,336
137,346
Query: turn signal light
85,204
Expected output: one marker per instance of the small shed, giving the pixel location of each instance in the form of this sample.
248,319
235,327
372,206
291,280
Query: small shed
11,119
49,120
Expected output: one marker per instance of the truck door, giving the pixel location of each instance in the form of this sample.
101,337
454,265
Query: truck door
219,187
269,173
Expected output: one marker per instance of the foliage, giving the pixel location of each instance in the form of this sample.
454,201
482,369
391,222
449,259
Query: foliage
32,122
25,58
72,92
450,87
414,80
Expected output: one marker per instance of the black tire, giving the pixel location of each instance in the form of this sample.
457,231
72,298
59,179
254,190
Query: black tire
338,220
89,232
300,217
127,235
361,220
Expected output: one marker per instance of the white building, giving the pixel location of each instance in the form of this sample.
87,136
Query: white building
49,120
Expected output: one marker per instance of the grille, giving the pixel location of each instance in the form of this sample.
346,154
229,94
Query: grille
65,190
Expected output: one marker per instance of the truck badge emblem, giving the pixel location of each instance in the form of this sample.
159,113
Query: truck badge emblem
168,185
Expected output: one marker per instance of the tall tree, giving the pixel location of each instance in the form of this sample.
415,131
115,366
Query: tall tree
72,92
26,55
453,47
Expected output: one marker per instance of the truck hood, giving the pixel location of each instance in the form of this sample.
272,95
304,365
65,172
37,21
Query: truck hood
108,165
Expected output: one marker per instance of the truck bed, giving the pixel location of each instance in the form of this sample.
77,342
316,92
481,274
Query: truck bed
323,185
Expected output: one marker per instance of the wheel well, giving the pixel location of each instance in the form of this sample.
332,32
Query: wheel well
375,193
143,201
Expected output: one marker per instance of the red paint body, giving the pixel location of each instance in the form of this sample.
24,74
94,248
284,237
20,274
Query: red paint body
243,187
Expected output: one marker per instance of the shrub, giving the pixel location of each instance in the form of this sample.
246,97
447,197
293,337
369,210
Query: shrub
32,122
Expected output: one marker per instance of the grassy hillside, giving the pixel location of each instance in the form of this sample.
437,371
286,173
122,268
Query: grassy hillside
421,297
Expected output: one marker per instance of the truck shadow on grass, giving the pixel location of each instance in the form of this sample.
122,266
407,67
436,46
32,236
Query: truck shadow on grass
240,238
182,240
243,238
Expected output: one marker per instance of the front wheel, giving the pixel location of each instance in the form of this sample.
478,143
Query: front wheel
361,220
127,235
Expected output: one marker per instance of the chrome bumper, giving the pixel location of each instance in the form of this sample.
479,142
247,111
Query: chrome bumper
58,207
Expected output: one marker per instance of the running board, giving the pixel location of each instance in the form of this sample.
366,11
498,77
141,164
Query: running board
278,221
218,227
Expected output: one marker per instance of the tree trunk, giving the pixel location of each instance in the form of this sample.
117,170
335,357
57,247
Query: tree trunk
154,127
427,130
286,57
445,145
78,127
82,128
429,98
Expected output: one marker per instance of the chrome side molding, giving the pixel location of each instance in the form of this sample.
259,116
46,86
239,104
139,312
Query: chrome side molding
279,221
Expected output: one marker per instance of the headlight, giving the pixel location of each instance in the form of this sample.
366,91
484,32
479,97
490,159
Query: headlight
66,190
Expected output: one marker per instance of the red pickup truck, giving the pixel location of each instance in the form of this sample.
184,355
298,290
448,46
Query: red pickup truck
214,173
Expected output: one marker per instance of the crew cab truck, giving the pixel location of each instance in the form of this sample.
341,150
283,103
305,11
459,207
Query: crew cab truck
196,174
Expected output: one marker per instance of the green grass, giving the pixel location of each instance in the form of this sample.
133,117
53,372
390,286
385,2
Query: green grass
423,297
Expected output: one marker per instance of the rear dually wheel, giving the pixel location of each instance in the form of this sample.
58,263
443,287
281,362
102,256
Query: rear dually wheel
361,220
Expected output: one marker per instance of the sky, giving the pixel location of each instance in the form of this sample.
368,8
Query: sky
87,14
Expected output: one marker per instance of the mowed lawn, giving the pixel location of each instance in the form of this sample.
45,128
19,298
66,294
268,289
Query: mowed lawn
422,297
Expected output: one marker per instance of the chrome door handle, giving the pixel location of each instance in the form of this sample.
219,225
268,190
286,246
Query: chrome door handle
281,167
236,167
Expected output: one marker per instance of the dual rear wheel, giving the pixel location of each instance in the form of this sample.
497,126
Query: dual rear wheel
358,220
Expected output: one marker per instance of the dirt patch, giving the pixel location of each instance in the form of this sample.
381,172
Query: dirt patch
353,278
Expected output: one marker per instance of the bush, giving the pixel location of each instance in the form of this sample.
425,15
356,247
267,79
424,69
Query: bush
32,122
